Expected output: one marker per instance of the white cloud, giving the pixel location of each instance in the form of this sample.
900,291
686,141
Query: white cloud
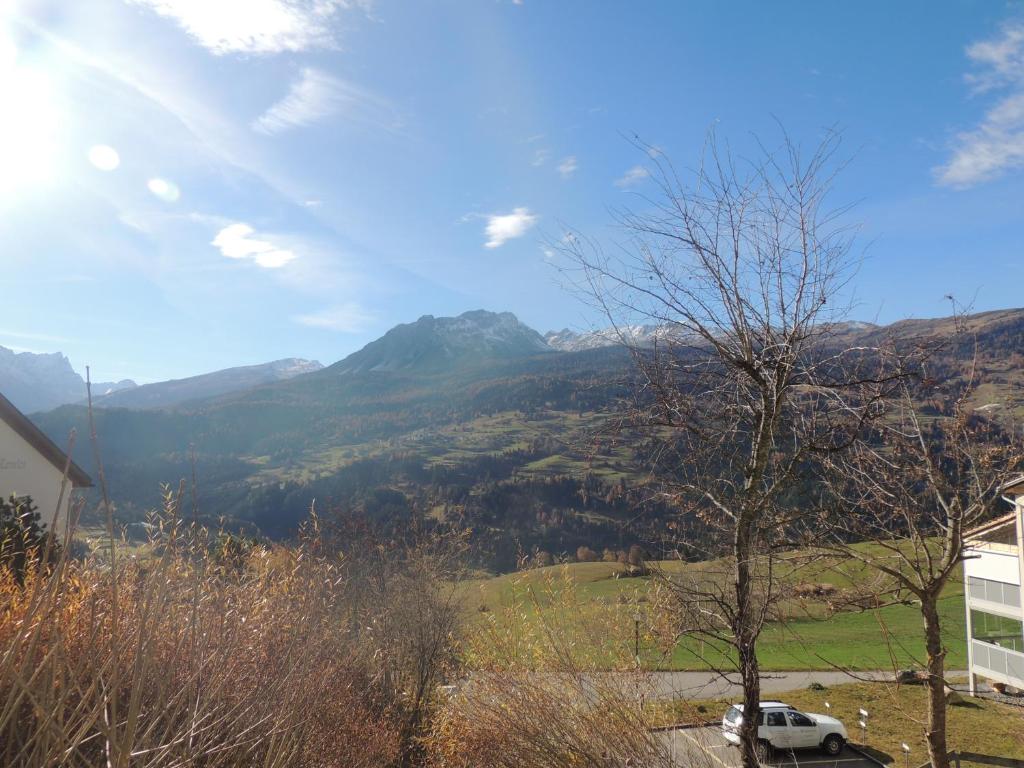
633,176
568,166
346,318
254,26
314,96
996,144
1003,56
504,227
235,241
317,95
540,157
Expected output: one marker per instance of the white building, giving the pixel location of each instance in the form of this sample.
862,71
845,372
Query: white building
31,464
993,574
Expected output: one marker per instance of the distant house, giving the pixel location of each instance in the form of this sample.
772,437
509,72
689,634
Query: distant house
31,464
993,574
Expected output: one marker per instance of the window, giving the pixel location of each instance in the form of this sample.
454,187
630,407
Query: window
997,630
733,715
993,591
800,721
776,719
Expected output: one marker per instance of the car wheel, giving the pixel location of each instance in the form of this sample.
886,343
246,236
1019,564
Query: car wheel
763,751
833,744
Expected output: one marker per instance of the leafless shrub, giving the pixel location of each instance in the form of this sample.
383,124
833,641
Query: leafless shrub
181,667
172,660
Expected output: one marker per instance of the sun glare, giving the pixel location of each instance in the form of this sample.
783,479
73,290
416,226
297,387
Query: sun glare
104,158
30,126
166,190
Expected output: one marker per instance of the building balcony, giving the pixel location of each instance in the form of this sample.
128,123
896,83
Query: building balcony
994,597
999,547
992,562
1002,665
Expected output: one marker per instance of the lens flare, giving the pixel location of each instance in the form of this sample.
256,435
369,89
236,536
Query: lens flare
166,190
103,157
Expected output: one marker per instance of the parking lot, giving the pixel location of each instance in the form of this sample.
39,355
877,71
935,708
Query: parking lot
707,748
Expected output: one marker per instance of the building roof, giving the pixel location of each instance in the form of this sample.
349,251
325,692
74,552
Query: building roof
1015,486
1010,518
34,436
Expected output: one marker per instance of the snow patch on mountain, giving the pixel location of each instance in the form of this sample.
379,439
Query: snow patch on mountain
567,340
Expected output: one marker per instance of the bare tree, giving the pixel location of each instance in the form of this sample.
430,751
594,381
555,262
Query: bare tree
405,611
743,270
911,488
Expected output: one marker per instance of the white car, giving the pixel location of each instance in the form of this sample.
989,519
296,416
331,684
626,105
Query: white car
780,726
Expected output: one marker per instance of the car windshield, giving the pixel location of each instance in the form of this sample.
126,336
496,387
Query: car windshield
733,715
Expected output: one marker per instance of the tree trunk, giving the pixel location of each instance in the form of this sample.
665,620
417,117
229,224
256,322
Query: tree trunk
746,640
750,674
938,753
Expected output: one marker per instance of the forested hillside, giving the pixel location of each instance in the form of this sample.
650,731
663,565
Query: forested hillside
474,423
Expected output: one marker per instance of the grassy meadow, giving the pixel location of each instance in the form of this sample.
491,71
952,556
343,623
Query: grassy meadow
598,598
570,435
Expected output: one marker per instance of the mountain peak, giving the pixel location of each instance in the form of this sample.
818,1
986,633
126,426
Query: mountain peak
38,381
567,340
435,342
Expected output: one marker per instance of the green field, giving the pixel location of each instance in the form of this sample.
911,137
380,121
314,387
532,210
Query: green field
568,435
596,596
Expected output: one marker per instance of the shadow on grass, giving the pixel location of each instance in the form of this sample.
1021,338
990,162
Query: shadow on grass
966,704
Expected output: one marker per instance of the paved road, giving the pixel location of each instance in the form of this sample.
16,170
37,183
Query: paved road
705,685
709,685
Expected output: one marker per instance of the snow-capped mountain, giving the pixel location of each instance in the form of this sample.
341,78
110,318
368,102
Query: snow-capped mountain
567,340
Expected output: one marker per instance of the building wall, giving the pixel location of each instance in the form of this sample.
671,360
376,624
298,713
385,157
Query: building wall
994,610
23,471
994,566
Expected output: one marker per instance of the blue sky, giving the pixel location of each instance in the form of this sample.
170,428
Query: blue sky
187,185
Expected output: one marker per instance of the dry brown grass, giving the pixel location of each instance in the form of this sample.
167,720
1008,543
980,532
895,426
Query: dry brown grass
280,657
533,699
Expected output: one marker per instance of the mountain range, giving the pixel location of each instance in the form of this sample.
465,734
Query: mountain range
567,340
42,381
39,382
477,422
167,393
